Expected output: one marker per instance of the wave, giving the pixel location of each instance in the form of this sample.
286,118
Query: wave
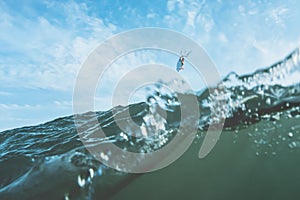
34,159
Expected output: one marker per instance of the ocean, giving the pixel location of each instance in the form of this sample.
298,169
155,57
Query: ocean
256,156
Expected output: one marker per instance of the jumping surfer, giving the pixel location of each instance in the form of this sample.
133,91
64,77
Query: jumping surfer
180,63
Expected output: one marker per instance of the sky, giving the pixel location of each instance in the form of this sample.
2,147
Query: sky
44,44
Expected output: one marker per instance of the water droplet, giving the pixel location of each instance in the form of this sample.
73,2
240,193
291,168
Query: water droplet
91,172
151,99
67,196
118,168
99,172
291,146
261,141
124,136
290,134
104,156
283,138
276,117
81,181
268,101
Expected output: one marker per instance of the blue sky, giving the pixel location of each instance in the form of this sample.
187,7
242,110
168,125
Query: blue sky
43,44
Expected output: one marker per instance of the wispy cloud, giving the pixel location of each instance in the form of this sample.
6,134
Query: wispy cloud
222,38
67,104
49,51
118,70
278,14
17,114
190,17
18,106
2,93
151,15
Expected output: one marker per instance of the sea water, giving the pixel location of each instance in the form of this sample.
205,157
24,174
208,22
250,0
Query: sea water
256,156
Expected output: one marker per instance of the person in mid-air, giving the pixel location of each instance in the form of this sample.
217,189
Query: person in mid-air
180,63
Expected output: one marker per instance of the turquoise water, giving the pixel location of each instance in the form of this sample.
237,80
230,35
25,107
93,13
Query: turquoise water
256,157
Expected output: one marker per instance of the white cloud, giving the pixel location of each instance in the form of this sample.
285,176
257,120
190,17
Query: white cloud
118,70
191,18
151,15
17,114
171,5
271,52
67,104
18,106
50,51
252,12
206,22
2,93
278,15
222,38
241,9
